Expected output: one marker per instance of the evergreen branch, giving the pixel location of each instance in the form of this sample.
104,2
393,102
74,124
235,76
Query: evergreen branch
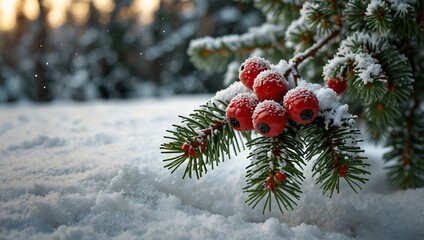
381,114
299,36
281,12
203,140
283,153
310,52
367,92
378,17
337,150
321,16
214,54
378,74
405,21
354,14
384,16
406,141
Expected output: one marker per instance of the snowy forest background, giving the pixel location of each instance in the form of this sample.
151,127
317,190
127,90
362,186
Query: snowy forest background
77,49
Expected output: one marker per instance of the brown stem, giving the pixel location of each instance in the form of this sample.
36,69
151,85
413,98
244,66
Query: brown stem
207,132
333,145
310,52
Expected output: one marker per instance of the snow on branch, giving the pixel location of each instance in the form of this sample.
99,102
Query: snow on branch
214,54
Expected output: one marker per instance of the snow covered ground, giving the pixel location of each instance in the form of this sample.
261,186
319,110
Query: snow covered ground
94,171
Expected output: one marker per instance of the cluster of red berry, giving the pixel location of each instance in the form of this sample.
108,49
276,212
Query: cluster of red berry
271,104
270,183
190,148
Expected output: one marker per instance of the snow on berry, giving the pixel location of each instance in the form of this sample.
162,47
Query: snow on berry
282,66
308,86
240,110
227,94
251,68
269,118
302,105
270,85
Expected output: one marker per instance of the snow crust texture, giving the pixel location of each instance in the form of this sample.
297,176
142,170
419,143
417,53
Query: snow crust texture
95,171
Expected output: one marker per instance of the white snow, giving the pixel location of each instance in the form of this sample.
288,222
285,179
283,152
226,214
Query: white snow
265,34
225,95
95,171
373,6
367,67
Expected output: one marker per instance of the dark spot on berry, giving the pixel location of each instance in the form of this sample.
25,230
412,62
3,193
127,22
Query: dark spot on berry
306,114
242,67
263,127
234,123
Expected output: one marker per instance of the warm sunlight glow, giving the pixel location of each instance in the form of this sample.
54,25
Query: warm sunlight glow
145,9
125,13
58,11
31,9
56,18
104,6
57,14
80,12
8,10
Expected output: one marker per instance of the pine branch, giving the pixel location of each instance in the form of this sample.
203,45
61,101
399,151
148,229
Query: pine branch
405,159
378,16
281,12
337,150
299,36
268,157
399,17
310,52
214,54
321,16
380,82
299,58
379,76
204,139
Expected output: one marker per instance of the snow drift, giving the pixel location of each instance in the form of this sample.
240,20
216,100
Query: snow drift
94,171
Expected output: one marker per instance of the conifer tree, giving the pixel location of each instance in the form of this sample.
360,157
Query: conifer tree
301,83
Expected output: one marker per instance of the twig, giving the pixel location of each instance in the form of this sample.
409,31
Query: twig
300,57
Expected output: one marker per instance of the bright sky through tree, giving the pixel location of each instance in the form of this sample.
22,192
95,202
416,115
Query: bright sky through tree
78,9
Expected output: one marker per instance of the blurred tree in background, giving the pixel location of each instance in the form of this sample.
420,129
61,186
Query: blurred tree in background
88,49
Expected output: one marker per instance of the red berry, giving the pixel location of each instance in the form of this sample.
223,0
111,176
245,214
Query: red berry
280,176
343,171
270,184
337,84
301,105
186,146
270,85
192,152
239,111
269,118
251,68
